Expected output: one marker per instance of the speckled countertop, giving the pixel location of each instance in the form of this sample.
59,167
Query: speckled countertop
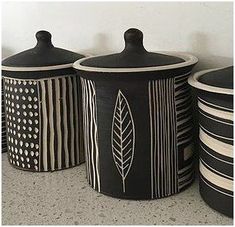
64,197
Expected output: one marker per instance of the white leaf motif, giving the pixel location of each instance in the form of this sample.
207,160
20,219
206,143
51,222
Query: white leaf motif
123,137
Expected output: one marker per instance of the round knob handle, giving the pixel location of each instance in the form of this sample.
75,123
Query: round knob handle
43,39
134,40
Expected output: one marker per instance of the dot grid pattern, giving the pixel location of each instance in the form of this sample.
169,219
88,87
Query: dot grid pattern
22,120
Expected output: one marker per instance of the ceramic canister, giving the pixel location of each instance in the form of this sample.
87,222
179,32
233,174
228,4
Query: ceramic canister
137,121
215,105
42,107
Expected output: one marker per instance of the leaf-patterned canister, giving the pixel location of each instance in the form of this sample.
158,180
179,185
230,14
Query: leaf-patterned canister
137,121
42,106
215,104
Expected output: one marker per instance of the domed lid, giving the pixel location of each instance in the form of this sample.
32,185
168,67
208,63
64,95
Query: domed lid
44,56
134,57
218,80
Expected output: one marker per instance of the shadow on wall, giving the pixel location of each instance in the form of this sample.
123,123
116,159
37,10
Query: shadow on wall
6,52
199,47
100,46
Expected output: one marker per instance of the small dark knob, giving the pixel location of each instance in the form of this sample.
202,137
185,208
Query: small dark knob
43,39
134,40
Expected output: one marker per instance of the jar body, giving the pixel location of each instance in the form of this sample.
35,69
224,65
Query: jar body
138,132
43,121
216,150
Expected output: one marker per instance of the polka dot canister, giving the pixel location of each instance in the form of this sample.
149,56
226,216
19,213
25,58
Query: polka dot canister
42,108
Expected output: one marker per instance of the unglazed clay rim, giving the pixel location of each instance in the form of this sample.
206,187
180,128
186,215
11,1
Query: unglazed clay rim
39,68
193,81
189,60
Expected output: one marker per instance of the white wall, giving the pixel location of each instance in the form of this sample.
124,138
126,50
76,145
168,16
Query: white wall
204,29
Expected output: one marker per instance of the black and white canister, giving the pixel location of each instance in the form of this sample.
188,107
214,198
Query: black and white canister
215,105
42,107
137,121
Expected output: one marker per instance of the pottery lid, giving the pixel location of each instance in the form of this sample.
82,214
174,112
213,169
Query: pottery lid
218,80
44,56
134,57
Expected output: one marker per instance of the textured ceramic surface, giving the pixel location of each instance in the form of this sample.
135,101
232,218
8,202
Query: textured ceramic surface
138,128
215,103
42,106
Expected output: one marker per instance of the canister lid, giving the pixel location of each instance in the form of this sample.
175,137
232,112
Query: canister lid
218,80
44,56
134,57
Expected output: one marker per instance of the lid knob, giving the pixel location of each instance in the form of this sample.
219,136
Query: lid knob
134,41
43,39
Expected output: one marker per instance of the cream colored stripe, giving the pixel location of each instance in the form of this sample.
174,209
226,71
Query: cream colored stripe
58,122
215,178
65,122
44,127
51,124
215,112
77,122
216,145
71,120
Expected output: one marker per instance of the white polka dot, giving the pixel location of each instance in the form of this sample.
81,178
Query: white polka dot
35,106
19,135
13,118
30,121
30,98
24,82
36,114
35,99
35,136
18,127
31,114
14,82
24,106
26,152
31,153
36,130
21,143
30,82
35,161
17,97
13,156
13,110
24,113
30,129
36,122
26,90
16,141
32,90
18,113
30,136
12,140
24,128
29,106
15,90
26,144
19,120
20,151
24,121
32,145
27,159
12,104
11,89
22,159
36,146
24,136
16,150
14,125
17,163
14,162
19,82
36,168
23,97
28,165
14,132
17,106
12,96
10,160
36,153
34,82
17,157
21,90
23,165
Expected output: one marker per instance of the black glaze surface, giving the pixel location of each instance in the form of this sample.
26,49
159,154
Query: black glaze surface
134,55
220,78
43,54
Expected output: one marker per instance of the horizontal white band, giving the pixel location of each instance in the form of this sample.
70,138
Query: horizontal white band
189,60
214,178
216,145
42,68
193,81
215,112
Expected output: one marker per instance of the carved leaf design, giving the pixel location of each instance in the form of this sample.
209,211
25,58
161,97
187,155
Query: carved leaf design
123,137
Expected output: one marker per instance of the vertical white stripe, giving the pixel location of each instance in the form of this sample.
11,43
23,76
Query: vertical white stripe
51,124
44,127
65,122
77,133
58,123
40,127
71,120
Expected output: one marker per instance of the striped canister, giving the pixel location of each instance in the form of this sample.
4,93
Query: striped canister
215,105
43,108
137,116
